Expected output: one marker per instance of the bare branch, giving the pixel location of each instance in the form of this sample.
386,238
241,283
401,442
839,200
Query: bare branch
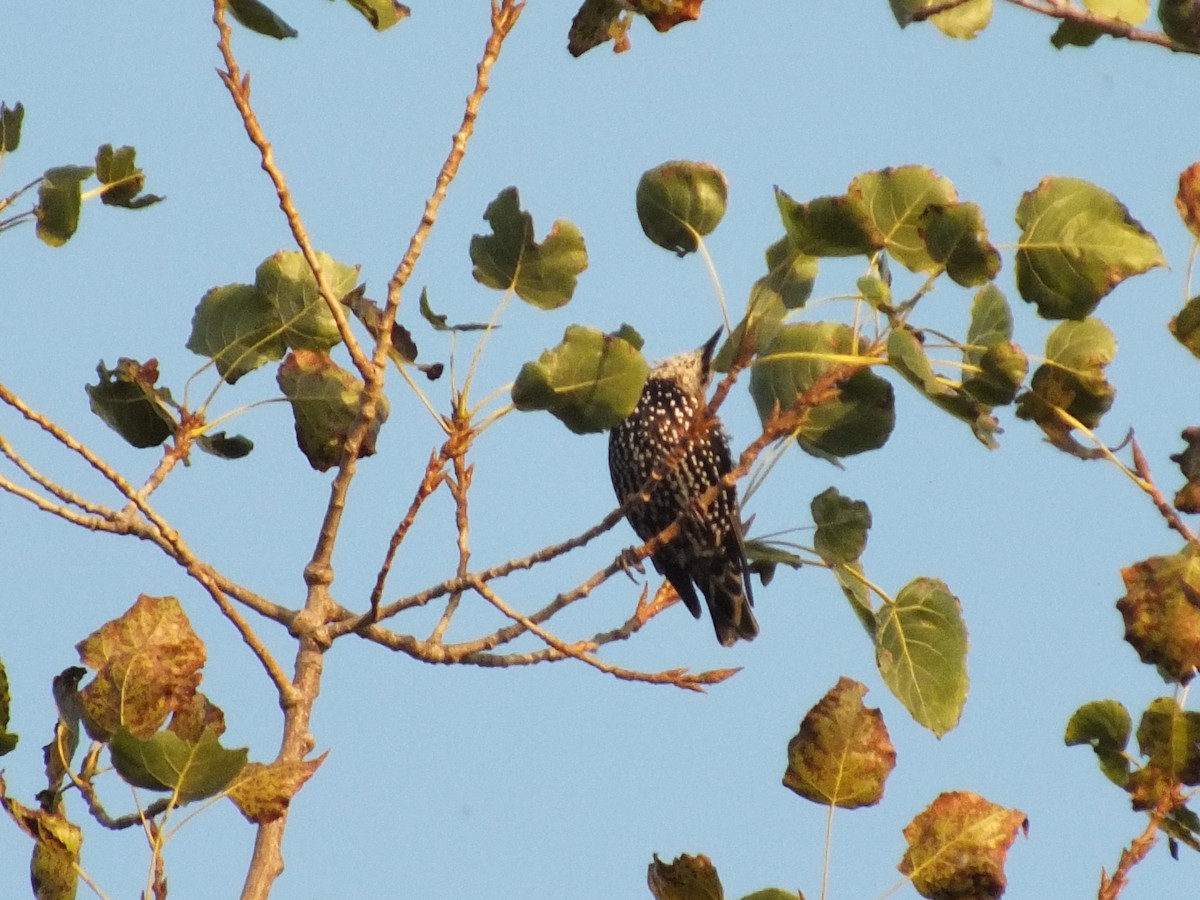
460,486
434,475
1161,503
238,86
1139,847
679,678
1069,12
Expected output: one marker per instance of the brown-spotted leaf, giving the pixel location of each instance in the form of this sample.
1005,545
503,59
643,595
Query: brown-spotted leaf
1161,609
958,846
53,870
1187,498
147,665
842,754
686,878
1187,200
197,716
666,14
597,22
262,792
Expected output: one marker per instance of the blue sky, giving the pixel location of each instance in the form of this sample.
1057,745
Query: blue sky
558,781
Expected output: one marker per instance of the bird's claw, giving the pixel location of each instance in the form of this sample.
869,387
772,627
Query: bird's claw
630,563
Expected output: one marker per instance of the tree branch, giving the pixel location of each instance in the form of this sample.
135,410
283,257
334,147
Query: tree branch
238,86
1069,12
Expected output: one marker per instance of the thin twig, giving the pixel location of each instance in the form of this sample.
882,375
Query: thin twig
66,496
1069,12
238,86
1138,849
460,486
1161,503
433,477
504,17
62,436
680,678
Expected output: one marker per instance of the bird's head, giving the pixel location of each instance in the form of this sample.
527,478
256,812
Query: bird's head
692,370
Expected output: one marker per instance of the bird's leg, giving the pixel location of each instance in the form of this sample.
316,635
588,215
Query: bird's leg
629,561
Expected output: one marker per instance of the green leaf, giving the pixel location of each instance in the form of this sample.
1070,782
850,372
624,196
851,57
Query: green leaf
957,238
787,285
859,418
853,581
123,180
590,382
842,526
326,400
60,200
1083,349
790,275
964,20
441,323
907,356
1131,12
1186,326
921,651
680,202
991,322
238,328
828,226
842,754
1003,368
382,14
126,399
875,291
8,740
510,259
1077,243
1180,20
1075,34
1170,737
261,18
10,126
166,762
226,447
1072,379
895,201
995,367
773,894
288,285
841,538
1105,726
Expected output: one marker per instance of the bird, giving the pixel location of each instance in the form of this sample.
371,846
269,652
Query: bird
709,552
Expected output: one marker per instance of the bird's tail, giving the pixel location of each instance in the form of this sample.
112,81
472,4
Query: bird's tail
729,605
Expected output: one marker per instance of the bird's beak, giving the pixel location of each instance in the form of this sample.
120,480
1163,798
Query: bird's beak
709,347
